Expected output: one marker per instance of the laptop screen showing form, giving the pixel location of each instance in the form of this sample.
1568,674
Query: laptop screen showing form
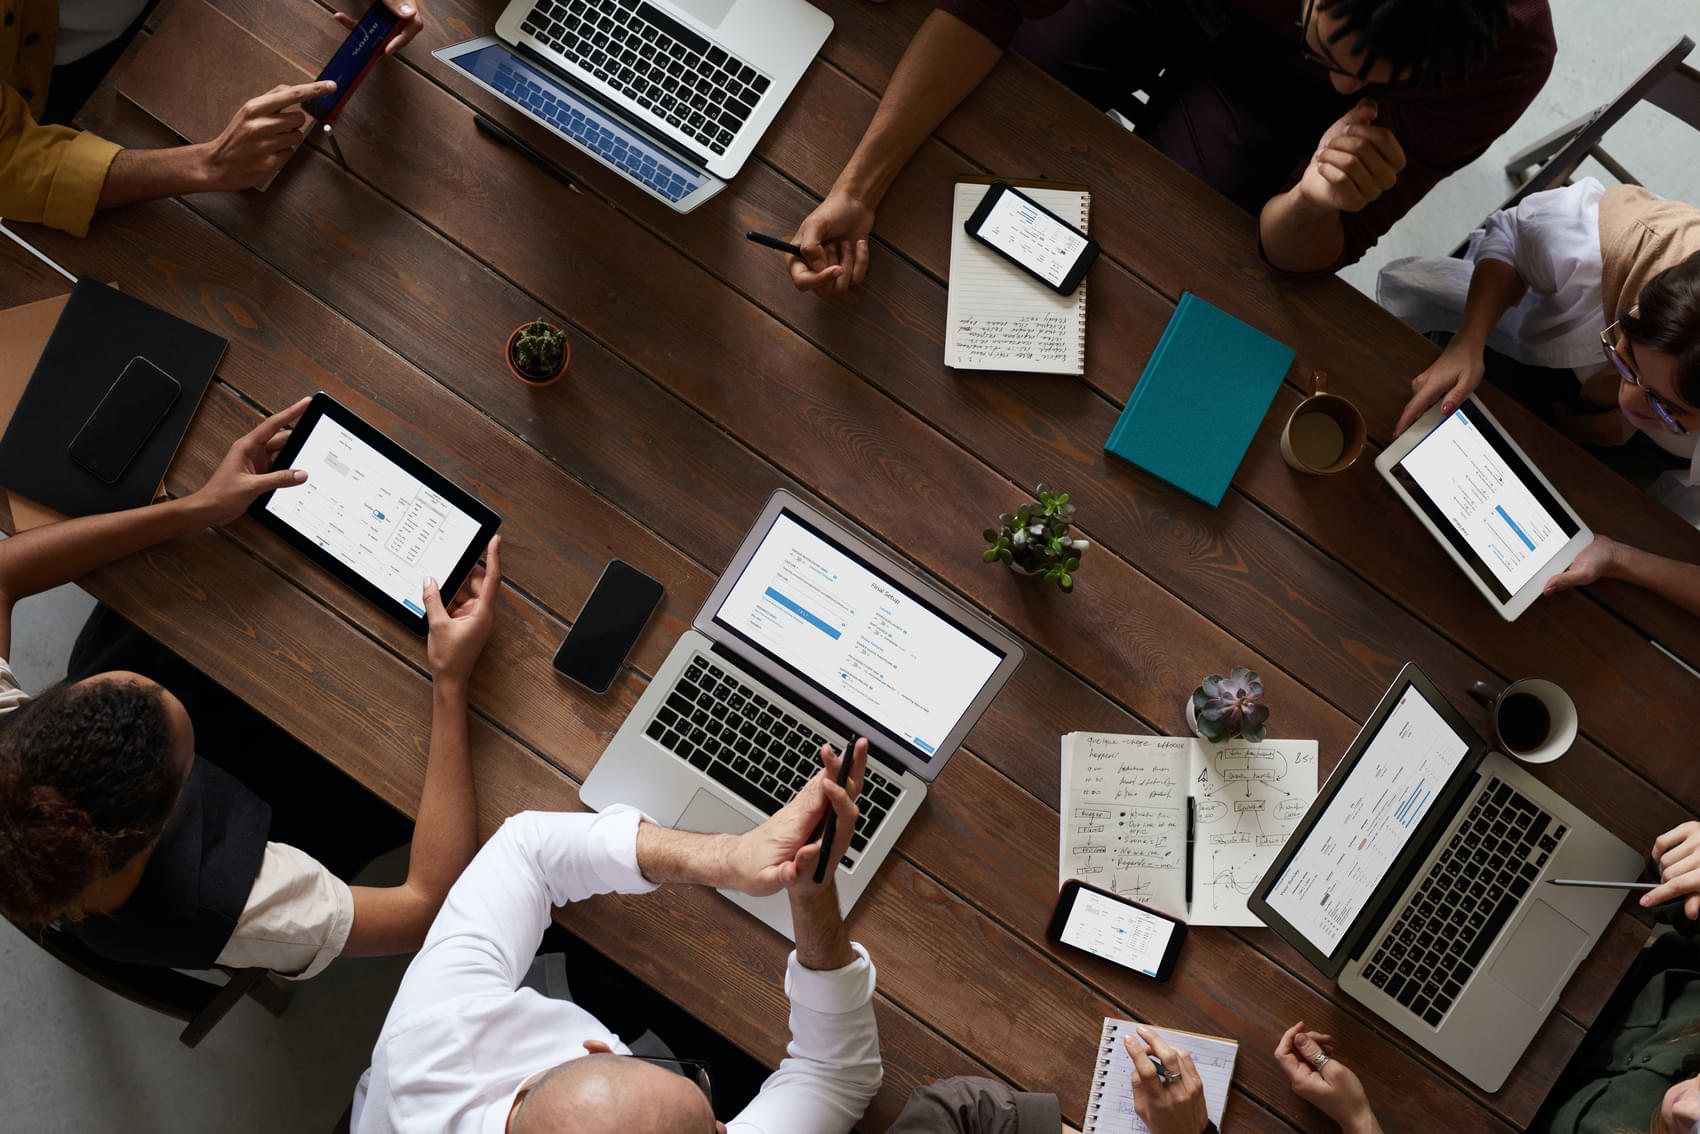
1346,854
857,635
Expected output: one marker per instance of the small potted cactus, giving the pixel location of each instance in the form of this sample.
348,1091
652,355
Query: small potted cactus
1038,540
1226,708
538,353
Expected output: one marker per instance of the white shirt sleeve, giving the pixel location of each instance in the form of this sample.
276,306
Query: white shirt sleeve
11,696
1546,236
296,920
490,925
832,1067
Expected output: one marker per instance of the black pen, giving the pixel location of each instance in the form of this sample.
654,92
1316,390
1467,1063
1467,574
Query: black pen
774,243
504,136
828,831
1591,884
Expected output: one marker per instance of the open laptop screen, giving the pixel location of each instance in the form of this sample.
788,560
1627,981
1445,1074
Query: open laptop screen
857,635
1348,849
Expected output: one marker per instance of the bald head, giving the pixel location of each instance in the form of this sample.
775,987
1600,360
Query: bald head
610,1094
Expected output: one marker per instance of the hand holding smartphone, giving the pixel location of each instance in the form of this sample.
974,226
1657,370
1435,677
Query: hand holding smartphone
353,60
1112,927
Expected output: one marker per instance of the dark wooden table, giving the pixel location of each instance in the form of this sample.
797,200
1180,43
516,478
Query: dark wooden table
700,382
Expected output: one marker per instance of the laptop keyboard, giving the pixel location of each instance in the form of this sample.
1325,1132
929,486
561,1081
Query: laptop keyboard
671,183
1469,894
662,65
754,746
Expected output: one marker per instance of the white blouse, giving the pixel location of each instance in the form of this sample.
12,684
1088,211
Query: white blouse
1552,239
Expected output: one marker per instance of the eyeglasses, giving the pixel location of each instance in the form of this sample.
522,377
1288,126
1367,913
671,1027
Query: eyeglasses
693,1069
1608,343
1325,58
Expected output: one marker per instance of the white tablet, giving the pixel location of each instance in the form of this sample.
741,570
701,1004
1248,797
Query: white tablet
1489,507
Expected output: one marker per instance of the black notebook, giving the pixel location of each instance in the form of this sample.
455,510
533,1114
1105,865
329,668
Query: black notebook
99,332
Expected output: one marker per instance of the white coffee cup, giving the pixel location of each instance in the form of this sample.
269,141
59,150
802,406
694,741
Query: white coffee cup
1520,731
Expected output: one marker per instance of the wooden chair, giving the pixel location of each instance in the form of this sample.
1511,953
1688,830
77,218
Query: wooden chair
1669,84
200,1004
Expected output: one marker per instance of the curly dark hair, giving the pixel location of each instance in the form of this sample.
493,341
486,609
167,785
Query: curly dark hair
88,778
1428,41
1668,319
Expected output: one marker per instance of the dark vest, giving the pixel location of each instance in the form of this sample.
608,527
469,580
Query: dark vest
196,883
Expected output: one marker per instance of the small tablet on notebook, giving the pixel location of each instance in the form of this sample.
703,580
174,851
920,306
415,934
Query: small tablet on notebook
373,514
1490,508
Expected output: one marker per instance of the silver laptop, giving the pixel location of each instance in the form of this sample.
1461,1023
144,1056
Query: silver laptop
671,94
1417,880
811,636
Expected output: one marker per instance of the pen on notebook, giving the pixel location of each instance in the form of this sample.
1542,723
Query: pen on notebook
505,137
1591,884
774,243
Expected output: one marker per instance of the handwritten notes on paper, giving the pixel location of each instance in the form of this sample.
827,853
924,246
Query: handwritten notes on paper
1109,1105
1247,798
1125,801
999,318
1124,816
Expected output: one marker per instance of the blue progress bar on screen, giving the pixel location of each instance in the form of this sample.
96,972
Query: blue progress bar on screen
807,616
1527,542
414,607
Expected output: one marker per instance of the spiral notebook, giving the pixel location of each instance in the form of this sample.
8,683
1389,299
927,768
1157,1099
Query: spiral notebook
997,317
1109,1107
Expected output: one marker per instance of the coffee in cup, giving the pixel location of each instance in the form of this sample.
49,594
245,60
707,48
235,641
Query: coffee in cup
1533,719
1325,433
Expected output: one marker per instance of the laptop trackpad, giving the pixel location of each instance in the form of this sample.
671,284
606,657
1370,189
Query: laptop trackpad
1538,955
709,815
710,12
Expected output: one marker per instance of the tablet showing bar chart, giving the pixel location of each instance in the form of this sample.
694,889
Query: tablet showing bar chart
1368,822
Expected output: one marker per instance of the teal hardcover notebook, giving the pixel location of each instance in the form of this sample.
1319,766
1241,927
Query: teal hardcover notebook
1200,400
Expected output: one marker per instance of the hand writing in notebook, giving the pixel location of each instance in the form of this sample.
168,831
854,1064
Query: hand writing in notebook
1175,1106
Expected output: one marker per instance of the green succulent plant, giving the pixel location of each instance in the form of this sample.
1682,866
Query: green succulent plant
1226,707
539,349
1038,539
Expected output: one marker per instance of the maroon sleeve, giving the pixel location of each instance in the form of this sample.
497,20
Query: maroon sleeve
968,1105
998,19
1444,130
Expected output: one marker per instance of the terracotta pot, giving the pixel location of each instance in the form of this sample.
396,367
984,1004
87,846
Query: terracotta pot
508,357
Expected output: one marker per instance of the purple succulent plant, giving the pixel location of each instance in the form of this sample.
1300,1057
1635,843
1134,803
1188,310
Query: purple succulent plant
1231,706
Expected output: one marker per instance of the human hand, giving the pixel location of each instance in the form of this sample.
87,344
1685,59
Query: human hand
457,632
242,475
1448,380
834,240
1595,561
411,21
782,852
1355,162
1679,1111
1677,852
259,138
1331,1088
1165,1108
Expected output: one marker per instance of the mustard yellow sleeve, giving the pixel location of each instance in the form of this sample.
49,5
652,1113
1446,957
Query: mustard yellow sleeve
49,174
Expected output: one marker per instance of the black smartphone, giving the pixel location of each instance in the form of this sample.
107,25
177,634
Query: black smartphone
608,627
1031,237
353,60
1113,927
124,420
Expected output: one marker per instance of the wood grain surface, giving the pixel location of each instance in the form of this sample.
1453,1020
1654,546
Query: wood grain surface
701,381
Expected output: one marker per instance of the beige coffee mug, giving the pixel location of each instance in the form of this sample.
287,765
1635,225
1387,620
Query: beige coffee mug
1325,434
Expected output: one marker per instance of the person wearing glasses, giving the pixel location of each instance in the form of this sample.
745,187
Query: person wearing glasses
1584,303
467,1050
1325,119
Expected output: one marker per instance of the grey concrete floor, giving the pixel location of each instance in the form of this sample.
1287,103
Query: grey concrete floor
75,1058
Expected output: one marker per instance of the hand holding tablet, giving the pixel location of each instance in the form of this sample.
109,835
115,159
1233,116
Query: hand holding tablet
373,514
